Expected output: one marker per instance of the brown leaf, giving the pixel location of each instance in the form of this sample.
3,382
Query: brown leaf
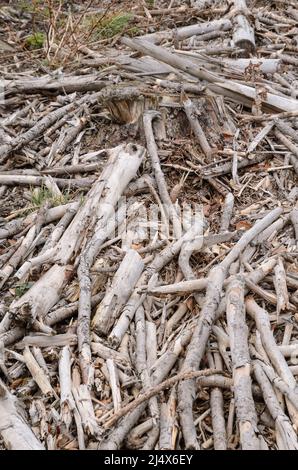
243,225
17,382
136,246
189,304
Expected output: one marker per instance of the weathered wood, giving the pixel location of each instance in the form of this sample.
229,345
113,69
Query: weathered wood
286,436
243,32
14,428
37,373
161,253
117,295
238,92
202,330
160,180
66,399
190,112
238,334
217,411
65,84
185,32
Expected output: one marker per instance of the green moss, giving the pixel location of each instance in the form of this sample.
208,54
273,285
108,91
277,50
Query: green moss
150,3
36,40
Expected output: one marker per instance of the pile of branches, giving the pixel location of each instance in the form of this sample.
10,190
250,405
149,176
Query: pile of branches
148,237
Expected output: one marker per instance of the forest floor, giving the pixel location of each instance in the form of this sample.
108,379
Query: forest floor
148,224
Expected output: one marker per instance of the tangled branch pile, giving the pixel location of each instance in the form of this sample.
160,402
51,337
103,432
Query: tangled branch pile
149,227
